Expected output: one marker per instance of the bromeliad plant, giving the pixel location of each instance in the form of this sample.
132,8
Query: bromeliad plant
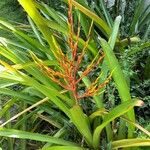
51,65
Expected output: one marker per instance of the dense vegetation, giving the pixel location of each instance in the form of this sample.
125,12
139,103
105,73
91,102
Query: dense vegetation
75,72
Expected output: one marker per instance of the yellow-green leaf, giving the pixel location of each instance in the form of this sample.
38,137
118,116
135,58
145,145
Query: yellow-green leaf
116,112
82,123
63,148
130,143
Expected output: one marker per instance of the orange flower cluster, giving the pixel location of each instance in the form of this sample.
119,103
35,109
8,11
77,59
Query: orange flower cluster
67,77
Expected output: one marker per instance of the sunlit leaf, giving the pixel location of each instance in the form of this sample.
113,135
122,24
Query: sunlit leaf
32,136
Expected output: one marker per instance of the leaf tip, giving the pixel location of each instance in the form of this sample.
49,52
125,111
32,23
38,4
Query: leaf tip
139,103
118,17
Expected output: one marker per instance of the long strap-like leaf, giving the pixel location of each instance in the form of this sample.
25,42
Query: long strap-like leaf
33,136
130,143
116,112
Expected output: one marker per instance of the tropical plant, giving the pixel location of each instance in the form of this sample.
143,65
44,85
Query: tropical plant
63,66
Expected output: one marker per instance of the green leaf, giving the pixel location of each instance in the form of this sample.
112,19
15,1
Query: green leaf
112,42
114,34
99,22
137,13
7,106
84,20
36,31
53,14
28,42
63,148
116,112
32,136
30,7
106,13
147,31
97,113
5,83
119,79
82,123
17,94
137,126
130,143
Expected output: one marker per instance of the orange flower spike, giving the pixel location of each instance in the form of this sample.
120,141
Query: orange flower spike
64,63
55,77
94,88
103,84
74,52
79,59
68,69
70,24
71,71
106,81
90,67
91,91
96,82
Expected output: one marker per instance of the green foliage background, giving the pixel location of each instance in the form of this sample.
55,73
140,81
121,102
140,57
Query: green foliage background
11,10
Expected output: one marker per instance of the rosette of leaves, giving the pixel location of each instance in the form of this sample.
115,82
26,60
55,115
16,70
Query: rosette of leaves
48,62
